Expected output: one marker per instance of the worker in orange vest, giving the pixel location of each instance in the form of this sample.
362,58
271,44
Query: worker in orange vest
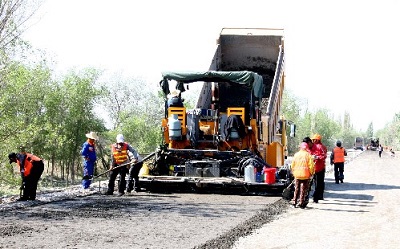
31,168
337,158
123,154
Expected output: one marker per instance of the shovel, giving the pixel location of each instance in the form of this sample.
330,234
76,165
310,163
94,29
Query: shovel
120,166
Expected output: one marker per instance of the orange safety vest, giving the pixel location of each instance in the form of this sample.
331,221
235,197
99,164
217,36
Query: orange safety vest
338,155
120,154
28,163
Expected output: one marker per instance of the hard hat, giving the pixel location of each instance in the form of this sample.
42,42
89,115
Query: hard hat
120,138
338,143
316,137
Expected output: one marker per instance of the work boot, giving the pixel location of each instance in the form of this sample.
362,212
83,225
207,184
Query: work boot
22,199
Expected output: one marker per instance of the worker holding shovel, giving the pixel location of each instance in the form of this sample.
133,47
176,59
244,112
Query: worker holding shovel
31,168
122,154
88,153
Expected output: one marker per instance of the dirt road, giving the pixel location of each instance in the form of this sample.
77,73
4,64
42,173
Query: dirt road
140,220
361,213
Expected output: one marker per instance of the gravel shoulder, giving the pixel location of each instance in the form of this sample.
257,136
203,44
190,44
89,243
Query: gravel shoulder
363,212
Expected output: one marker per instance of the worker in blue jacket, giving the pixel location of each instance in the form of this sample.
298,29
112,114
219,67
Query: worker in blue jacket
88,153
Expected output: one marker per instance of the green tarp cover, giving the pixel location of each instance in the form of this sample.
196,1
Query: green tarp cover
248,78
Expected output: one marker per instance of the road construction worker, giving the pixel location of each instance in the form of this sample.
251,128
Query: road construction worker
319,152
123,156
309,143
174,99
31,168
88,153
302,168
133,178
380,150
337,158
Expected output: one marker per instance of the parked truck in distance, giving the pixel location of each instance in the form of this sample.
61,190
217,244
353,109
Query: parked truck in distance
235,139
374,143
359,143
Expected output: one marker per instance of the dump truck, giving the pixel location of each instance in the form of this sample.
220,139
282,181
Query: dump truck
235,139
374,144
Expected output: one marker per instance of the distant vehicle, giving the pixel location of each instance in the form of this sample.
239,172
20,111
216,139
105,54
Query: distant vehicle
359,143
374,144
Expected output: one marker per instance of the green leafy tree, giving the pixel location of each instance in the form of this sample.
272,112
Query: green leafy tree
135,110
291,110
79,94
22,112
323,123
347,134
370,130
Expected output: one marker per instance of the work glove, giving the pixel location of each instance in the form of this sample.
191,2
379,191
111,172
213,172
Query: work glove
86,177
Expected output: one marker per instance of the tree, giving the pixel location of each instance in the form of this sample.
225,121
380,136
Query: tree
135,110
22,108
14,15
291,110
323,123
79,95
347,134
370,130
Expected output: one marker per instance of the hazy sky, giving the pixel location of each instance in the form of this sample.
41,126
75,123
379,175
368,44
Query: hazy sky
340,55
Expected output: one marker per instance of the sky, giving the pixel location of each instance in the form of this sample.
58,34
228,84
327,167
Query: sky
340,55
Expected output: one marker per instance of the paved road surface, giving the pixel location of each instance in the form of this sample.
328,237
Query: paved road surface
364,212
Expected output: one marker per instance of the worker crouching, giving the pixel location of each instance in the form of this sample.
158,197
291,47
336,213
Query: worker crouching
31,168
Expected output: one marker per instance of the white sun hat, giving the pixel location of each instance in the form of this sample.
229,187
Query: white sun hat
92,135
174,93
